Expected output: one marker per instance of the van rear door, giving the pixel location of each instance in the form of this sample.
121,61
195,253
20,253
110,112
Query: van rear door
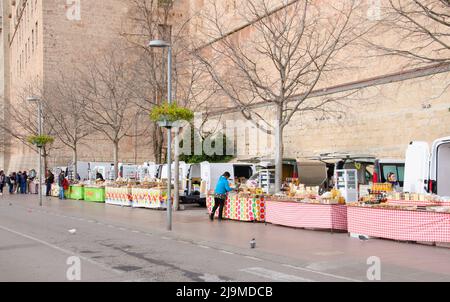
440,167
417,167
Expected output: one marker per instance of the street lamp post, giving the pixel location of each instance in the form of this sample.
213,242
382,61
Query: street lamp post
40,131
164,44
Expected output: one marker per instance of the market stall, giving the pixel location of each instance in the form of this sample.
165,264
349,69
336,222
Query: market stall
303,207
55,191
150,198
119,192
94,193
405,217
241,207
118,195
76,191
299,214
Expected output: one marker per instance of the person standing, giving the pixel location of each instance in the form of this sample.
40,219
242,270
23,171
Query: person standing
2,181
99,176
10,181
18,178
392,179
49,180
220,195
13,182
23,183
61,183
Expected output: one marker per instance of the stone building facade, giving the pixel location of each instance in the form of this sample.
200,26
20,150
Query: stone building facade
44,38
394,106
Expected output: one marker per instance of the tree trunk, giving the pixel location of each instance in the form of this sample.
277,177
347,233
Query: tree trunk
75,163
116,160
278,151
176,188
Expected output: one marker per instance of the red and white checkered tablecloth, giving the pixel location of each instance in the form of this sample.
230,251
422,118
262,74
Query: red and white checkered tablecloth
418,203
304,215
399,224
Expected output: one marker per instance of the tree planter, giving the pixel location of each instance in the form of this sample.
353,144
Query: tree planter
166,115
40,140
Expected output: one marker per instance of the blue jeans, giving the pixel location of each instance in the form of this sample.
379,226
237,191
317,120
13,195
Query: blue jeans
61,193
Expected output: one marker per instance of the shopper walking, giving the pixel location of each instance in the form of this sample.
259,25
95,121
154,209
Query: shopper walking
49,180
2,181
61,183
220,195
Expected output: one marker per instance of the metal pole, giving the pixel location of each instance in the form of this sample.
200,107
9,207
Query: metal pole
40,153
169,142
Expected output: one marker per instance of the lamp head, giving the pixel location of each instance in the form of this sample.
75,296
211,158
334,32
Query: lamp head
33,99
158,44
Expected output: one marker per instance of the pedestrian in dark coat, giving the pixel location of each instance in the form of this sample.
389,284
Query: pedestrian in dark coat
49,181
23,183
2,181
18,179
10,180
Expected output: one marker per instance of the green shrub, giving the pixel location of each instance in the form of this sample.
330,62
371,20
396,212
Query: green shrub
171,113
40,140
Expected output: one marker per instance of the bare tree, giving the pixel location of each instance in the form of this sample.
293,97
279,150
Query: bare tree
421,28
20,120
67,121
289,47
108,100
149,20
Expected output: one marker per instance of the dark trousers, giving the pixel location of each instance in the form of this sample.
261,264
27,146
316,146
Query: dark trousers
49,188
23,188
218,203
1,188
11,188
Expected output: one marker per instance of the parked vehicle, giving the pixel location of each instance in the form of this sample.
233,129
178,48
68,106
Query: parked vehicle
385,166
428,170
84,169
366,165
128,171
148,169
265,175
198,179
105,169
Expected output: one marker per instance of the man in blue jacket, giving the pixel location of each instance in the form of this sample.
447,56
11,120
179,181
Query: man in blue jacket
220,195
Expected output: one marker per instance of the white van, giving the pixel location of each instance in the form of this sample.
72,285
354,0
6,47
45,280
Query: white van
191,176
128,171
183,169
428,171
211,172
148,169
103,168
